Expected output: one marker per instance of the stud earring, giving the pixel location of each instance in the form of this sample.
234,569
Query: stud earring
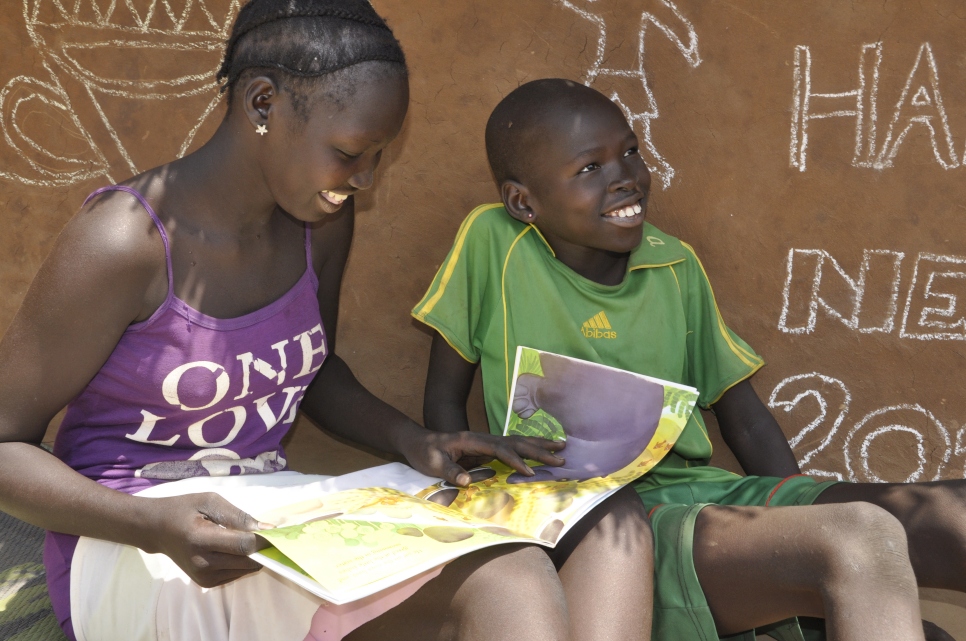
261,130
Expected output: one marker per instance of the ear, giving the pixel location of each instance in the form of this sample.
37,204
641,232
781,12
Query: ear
517,200
261,94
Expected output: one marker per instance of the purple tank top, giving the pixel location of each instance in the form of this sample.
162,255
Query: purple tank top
184,394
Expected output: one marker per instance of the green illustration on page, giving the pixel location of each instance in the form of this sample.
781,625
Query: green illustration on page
617,426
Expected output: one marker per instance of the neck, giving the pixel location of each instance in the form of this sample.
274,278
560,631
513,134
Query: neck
225,185
597,265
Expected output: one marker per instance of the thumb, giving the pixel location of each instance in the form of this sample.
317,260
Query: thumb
453,473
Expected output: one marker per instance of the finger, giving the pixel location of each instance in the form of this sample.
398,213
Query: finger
262,543
536,450
453,473
214,538
220,511
220,561
506,453
222,577
545,443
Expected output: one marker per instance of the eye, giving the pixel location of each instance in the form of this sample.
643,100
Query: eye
588,168
631,152
347,155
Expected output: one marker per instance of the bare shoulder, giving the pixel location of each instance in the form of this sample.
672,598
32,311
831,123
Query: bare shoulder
116,227
110,249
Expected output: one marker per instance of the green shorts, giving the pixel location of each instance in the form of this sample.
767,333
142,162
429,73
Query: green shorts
680,608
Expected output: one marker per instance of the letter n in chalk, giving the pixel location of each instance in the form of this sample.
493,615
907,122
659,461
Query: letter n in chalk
815,280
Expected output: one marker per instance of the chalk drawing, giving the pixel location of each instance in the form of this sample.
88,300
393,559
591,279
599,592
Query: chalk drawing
932,309
933,445
880,267
920,103
928,105
813,384
858,103
619,72
944,322
62,30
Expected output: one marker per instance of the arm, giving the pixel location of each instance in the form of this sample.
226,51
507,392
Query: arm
448,384
103,274
753,434
339,403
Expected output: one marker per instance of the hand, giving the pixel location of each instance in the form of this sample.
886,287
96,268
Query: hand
208,537
438,453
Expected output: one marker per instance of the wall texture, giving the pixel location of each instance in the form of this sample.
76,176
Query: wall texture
812,152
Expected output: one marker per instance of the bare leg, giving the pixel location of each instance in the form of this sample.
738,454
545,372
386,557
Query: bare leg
845,563
934,516
606,566
504,593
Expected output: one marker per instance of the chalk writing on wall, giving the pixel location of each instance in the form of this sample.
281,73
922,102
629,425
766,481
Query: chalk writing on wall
920,104
826,402
935,300
74,39
619,71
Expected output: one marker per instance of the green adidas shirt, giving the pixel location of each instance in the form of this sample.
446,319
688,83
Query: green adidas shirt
501,287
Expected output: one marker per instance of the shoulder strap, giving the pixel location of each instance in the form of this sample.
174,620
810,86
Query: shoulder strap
309,265
157,223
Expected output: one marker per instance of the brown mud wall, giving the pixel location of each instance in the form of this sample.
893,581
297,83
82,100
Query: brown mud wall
811,152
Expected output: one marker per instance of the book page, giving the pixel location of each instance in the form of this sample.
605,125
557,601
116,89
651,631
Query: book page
617,426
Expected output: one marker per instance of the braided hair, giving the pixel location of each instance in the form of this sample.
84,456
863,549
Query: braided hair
298,42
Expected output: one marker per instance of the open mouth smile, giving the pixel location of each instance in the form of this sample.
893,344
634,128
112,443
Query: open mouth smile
627,216
332,197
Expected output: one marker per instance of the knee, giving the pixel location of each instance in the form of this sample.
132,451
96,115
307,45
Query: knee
862,542
941,512
625,521
509,578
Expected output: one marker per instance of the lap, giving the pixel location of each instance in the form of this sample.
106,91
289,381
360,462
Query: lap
121,592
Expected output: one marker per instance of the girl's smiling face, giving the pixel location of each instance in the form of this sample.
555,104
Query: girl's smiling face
312,164
586,185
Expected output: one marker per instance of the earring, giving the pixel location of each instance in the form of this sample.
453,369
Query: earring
261,130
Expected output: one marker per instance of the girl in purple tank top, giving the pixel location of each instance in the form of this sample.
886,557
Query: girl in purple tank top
186,315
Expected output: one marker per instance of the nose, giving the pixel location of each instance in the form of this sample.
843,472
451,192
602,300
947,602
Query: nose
624,180
363,179
631,176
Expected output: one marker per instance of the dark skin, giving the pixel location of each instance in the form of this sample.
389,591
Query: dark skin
853,558
234,212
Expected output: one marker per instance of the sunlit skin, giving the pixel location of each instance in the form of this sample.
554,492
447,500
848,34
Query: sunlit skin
855,556
577,183
234,212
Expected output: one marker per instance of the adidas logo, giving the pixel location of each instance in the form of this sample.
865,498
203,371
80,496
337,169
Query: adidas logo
598,327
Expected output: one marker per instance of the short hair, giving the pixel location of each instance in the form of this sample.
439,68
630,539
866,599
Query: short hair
297,42
519,119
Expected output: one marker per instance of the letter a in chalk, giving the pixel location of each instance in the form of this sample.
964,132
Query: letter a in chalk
920,104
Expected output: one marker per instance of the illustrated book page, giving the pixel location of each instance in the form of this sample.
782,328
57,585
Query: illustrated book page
617,426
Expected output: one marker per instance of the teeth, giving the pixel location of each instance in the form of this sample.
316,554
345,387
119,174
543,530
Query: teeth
335,198
625,212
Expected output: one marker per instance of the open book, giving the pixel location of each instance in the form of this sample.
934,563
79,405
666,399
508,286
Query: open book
351,544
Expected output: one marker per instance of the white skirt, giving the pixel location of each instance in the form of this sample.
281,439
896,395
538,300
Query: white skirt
119,592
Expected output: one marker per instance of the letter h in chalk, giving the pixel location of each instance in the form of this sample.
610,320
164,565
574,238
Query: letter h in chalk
859,103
